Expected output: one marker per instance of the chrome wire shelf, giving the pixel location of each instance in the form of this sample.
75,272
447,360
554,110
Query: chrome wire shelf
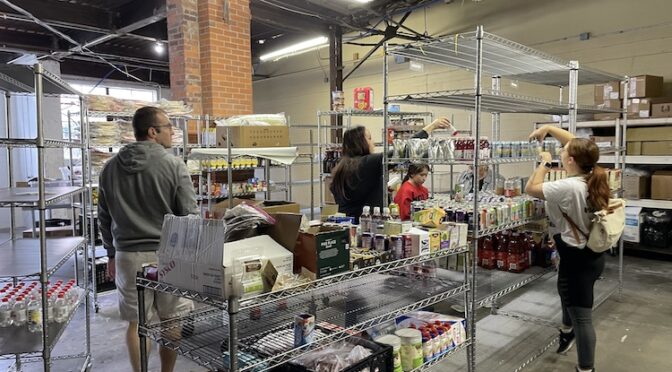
20,258
101,114
494,102
486,161
18,340
507,226
284,294
501,57
353,306
374,113
48,143
28,196
21,79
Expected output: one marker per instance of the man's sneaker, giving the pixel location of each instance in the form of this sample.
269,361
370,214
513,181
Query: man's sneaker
566,341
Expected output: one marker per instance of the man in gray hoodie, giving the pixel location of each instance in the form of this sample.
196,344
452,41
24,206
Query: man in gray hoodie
137,187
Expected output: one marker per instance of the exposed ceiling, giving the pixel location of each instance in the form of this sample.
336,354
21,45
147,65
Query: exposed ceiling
105,38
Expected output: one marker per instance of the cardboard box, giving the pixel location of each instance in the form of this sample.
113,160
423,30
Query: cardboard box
660,185
210,269
633,222
645,86
323,250
270,206
613,104
254,136
607,116
635,187
604,141
662,110
649,134
608,91
639,108
649,148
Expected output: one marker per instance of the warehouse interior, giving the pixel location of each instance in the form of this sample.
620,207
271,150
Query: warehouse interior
214,64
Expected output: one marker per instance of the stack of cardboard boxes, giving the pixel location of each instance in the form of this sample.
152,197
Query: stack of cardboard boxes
644,94
656,186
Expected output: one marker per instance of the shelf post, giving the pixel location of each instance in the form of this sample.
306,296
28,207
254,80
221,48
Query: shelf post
623,160
496,125
233,309
573,93
312,171
10,165
229,169
142,320
385,124
88,230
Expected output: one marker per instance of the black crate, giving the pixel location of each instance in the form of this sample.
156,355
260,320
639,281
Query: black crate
379,361
103,283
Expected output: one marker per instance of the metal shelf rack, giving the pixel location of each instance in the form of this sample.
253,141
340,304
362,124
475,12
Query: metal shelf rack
42,257
485,53
353,305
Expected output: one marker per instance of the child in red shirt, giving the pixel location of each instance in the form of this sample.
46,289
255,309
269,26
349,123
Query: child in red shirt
412,189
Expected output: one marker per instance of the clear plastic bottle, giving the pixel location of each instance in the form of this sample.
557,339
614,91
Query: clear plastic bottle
365,219
19,312
71,297
60,308
386,215
50,306
5,313
34,315
376,219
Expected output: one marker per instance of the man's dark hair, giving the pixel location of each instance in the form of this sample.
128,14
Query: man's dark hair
143,119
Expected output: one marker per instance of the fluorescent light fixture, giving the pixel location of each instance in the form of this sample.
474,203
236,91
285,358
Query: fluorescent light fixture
298,48
159,48
363,1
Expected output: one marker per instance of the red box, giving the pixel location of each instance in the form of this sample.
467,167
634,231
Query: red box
364,98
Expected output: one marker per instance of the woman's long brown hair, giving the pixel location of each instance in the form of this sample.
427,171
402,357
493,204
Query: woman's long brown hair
345,172
586,154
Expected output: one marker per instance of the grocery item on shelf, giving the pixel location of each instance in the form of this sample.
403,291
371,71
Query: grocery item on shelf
428,320
411,351
395,342
118,105
337,101
21,304
304,329
104,133
331,158
363,98
254,120
514,251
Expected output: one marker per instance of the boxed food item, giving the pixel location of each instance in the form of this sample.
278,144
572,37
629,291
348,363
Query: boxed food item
662,109
633,221
608,91
254,136
363,98
416,243
645,86
361,258
635,187
660,185
323,250
418,319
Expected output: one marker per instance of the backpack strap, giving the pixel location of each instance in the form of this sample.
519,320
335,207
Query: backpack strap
575,228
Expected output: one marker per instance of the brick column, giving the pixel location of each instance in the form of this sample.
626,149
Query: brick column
226,65
210,57
184,52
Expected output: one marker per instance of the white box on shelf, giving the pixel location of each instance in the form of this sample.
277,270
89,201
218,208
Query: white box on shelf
633,222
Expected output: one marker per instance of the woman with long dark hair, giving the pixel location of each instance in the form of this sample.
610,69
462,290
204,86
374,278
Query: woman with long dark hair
357,180
412,189
569,204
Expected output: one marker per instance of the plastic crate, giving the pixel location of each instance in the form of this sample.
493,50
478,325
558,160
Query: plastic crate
103,283
379,361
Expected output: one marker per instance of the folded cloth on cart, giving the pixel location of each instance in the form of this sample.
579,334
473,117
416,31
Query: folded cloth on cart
282,155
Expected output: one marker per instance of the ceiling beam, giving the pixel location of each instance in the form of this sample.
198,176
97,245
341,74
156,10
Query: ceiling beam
63,11
285,20
138,14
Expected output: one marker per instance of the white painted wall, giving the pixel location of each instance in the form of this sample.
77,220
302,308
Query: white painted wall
627,37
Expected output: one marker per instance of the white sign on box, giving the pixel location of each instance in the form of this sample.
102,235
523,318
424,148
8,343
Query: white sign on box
633,221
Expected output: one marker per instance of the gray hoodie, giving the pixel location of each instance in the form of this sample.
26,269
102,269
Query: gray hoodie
137,187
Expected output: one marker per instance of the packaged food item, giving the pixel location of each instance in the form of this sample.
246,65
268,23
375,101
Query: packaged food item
395,342
304,329
411,350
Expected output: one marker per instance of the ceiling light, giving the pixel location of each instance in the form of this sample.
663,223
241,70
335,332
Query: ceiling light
363,1
159,48
261,41
298,48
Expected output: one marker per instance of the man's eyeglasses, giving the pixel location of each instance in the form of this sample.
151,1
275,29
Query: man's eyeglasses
163,126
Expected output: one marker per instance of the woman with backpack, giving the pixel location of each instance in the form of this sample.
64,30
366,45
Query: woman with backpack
569,204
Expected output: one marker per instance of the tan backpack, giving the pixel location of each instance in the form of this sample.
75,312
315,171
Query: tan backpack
606,228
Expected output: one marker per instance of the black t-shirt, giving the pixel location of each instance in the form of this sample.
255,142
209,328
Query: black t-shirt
368,188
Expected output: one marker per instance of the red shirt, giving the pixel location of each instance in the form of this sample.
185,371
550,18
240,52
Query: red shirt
409,192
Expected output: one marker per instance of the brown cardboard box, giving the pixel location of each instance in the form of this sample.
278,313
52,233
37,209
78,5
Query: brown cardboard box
639,108
645,86
254,136
662,110
614,104
270,206
649,148
649,134
660,185
608,116
635,187
604,141
609,91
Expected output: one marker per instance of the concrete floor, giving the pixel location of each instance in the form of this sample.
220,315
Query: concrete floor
634,332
